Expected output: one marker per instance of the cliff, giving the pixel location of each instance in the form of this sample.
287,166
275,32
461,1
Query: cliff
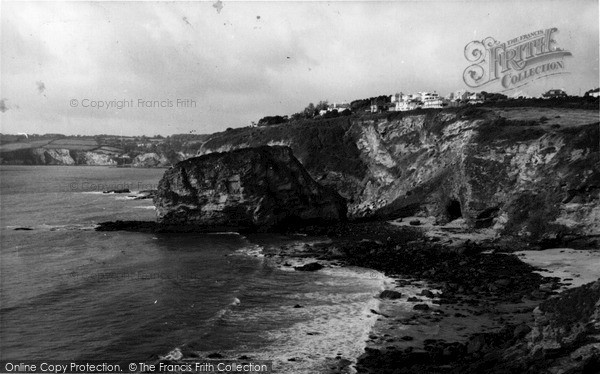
533,172
64,156
253,188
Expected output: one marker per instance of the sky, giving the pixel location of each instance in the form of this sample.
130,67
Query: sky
201,67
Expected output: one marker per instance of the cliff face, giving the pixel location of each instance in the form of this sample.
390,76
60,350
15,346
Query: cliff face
42,156
515,170
255,188
148,160
57,156
95,159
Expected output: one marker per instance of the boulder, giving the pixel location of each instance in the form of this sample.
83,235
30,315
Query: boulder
313,266
389,294
258,189
122,190
421,307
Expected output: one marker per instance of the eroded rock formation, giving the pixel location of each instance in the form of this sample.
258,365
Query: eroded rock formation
255,188
531,172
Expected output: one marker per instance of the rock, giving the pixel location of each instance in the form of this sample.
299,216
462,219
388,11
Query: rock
521,330
476,344
298,306
215,355
547,287
145,194
421,307
563,322
389,294
427,293
407,338
379,313
258,189
96,159
122,190
22,229
503,282
53,156
149,160
414,299
414,222
487,169
313,266
538,295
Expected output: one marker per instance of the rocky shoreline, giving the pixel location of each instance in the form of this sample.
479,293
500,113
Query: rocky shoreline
462,306
471,308
487,187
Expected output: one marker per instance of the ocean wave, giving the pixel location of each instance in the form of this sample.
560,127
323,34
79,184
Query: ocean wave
329,322
46,227
254,250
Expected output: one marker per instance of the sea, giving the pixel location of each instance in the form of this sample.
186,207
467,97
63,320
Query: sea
69,292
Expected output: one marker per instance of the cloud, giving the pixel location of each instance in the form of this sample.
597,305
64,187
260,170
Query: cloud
239,68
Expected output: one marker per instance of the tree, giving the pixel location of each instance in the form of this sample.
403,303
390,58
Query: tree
309,111
322,105
272,120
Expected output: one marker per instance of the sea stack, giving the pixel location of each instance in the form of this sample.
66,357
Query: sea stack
258,189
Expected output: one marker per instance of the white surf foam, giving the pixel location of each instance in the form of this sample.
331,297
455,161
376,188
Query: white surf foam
254,250
332,322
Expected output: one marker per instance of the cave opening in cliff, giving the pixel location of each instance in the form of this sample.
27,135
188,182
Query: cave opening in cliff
453,210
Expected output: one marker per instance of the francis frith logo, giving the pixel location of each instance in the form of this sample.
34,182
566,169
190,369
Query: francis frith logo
514,63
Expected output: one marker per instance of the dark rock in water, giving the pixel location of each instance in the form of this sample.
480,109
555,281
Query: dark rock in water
298,306
259,188
145,194
379,313
124,190
407,338
414,299
23,229
389,294
215,355
244,357
421,307
415,222
313,266
428,294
